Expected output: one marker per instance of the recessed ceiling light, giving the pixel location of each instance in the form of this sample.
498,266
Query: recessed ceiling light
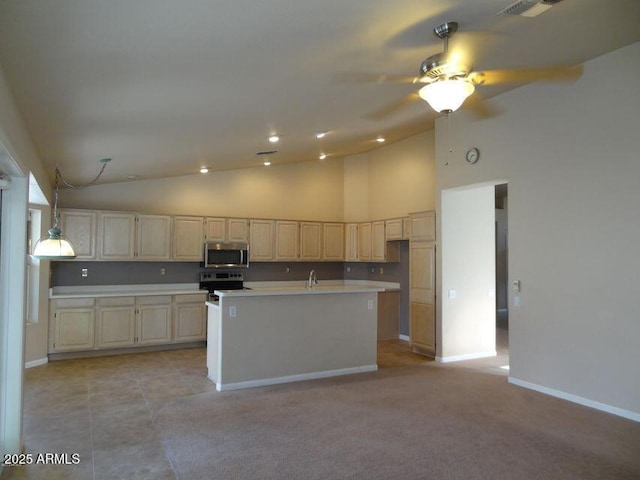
274,138
380,139
204,170
320,134
266,163
322,156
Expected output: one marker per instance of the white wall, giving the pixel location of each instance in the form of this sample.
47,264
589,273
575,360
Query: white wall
570,155
467,248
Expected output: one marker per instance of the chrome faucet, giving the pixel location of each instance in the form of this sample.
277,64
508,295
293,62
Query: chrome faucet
312,279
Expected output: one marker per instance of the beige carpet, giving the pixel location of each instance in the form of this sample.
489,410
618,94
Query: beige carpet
406,422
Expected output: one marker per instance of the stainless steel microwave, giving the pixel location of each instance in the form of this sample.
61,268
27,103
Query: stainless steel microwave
226,255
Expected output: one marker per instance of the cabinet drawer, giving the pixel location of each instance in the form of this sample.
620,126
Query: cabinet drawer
154,300
74,303
191,298
116,301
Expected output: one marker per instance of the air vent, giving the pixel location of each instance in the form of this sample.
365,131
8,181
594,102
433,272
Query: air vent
267,152
529,8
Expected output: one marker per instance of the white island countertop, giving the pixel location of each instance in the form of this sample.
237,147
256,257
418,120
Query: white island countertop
297,290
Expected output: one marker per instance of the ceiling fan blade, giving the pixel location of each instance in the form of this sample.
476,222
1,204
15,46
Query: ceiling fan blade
392,108
480,107
524,75
357,77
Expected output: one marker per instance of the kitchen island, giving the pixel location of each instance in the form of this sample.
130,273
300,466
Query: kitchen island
266,336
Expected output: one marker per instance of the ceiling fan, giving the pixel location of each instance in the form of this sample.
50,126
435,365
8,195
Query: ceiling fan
449,79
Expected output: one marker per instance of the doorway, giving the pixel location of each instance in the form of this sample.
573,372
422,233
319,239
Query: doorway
502,262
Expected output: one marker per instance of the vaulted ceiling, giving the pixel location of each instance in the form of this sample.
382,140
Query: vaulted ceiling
164,87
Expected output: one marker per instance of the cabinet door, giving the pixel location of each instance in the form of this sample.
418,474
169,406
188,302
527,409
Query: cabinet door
116,235
310,241
351,242
406,228
393,229
287,240
423,227
80,226
261,240
378,242
190,322
422,272
74,329
188,239
333,242
237,230
115,326
364,242
154,324
422,326
154,237
215,229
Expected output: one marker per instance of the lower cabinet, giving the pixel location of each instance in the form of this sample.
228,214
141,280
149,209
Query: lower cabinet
422,327
116,322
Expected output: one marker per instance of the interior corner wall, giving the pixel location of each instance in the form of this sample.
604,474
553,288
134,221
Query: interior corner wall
570,155
296,191
468,326
356,188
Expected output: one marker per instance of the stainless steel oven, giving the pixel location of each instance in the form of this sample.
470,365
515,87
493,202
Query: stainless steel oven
212,281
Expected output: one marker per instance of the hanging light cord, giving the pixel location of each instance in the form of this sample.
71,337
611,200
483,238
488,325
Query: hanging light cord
60,179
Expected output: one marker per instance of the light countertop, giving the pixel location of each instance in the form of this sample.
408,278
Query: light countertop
125,290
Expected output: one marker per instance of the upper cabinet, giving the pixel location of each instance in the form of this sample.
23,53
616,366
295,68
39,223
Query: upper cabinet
261,240
378,242
311,241
364,242
226,229
188,236
287,240
423,227
127,236
80,227
116,235
351,242
333,242
153,233
393,229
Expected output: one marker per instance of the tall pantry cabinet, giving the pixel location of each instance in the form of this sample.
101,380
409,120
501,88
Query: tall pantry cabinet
422,283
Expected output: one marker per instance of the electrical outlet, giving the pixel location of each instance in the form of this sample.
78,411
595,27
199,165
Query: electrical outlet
370,305
162,271
381,270
232,311
451,294
84,272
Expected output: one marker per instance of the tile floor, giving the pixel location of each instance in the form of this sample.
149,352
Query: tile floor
103,409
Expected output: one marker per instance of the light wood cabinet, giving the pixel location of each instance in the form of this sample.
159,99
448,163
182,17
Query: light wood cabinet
351,242
423,226
261,240
333,242
422,283
215,229
393,229
72,325
406,228
378,243
364,242
116,235
154,319
115,322
311,234
80,227
189,318
237,230
188,235
153,234
287,246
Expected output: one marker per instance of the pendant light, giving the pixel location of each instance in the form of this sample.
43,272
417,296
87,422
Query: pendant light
56,246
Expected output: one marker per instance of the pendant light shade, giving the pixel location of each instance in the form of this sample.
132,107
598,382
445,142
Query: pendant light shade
446,95
54,247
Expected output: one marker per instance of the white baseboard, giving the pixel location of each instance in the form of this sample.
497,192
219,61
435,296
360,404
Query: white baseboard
35,363
295,378
468,356
406,338
635,416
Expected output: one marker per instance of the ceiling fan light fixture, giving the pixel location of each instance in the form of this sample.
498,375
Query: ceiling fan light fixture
446,95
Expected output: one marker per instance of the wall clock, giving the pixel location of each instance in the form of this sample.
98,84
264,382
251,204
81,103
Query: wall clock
472,156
